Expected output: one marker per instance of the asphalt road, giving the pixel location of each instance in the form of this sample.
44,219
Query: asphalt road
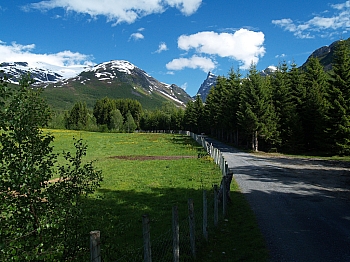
302,206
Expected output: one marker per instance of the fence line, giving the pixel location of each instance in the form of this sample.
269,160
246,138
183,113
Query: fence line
184,237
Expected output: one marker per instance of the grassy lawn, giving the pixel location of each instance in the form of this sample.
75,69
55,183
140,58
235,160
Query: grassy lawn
134,185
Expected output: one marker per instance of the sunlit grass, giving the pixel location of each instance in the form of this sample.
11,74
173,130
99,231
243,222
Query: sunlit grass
132,188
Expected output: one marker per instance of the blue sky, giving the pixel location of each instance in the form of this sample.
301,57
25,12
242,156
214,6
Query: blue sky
175,41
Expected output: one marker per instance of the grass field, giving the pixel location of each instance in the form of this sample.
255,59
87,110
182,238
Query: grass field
149,174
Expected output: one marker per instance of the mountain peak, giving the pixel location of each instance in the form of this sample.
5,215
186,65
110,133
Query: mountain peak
119,65
206,86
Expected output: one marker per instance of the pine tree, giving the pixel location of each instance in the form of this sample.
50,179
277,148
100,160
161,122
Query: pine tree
256,113
339,100
288,124
315,105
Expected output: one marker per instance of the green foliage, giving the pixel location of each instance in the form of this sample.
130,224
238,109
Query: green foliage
339,100
116,121
129,124
315,105
77,117
194,115
106,113
37,216
256,114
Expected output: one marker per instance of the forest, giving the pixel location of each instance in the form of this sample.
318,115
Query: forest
293,110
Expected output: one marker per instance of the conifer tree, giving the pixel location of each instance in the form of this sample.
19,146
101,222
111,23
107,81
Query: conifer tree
315,105
256,113
288,124
339,100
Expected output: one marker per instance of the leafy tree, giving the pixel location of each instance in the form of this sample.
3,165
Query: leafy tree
77,117
36,215
129,124
339,100
129,105
116,120
102,111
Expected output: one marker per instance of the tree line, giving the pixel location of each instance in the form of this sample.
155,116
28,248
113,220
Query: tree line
123,115
292,110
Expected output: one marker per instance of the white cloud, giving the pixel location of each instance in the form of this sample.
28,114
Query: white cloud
67,61
136,36
319,24
204,63
184,86
280,56
243,45
118,11
162,47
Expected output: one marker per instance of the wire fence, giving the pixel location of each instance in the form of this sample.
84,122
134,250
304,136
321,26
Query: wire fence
184,237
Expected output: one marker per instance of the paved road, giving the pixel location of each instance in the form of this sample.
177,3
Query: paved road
302,206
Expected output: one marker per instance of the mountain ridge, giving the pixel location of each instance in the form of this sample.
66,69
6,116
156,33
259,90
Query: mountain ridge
115,78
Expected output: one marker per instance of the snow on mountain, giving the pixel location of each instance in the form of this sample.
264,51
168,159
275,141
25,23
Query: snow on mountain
40,72
205,87
268,70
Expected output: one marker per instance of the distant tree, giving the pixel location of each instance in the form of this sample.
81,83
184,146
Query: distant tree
102,111
116,120
129,105
77,117
129,124
194,115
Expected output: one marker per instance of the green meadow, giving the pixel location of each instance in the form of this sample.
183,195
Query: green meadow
149,174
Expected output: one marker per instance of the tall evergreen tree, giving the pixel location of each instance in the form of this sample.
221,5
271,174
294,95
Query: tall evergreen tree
256,113
315,105
339,100
288,124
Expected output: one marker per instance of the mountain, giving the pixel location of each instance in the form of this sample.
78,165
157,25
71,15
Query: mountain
205,87
325,54
268,71
17,69
115,79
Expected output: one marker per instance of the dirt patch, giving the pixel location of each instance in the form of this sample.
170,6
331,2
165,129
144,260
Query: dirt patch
145,158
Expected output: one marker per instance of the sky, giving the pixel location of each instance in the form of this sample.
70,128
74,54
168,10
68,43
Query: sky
175,41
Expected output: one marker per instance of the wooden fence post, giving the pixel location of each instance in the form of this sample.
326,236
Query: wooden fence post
192,227
95,246
147,257
224,198
176,236
216,206
205,215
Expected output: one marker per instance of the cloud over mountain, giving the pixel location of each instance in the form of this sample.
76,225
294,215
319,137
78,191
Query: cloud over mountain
118,11
67,61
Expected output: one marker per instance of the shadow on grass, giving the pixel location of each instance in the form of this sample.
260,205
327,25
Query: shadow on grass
118,215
